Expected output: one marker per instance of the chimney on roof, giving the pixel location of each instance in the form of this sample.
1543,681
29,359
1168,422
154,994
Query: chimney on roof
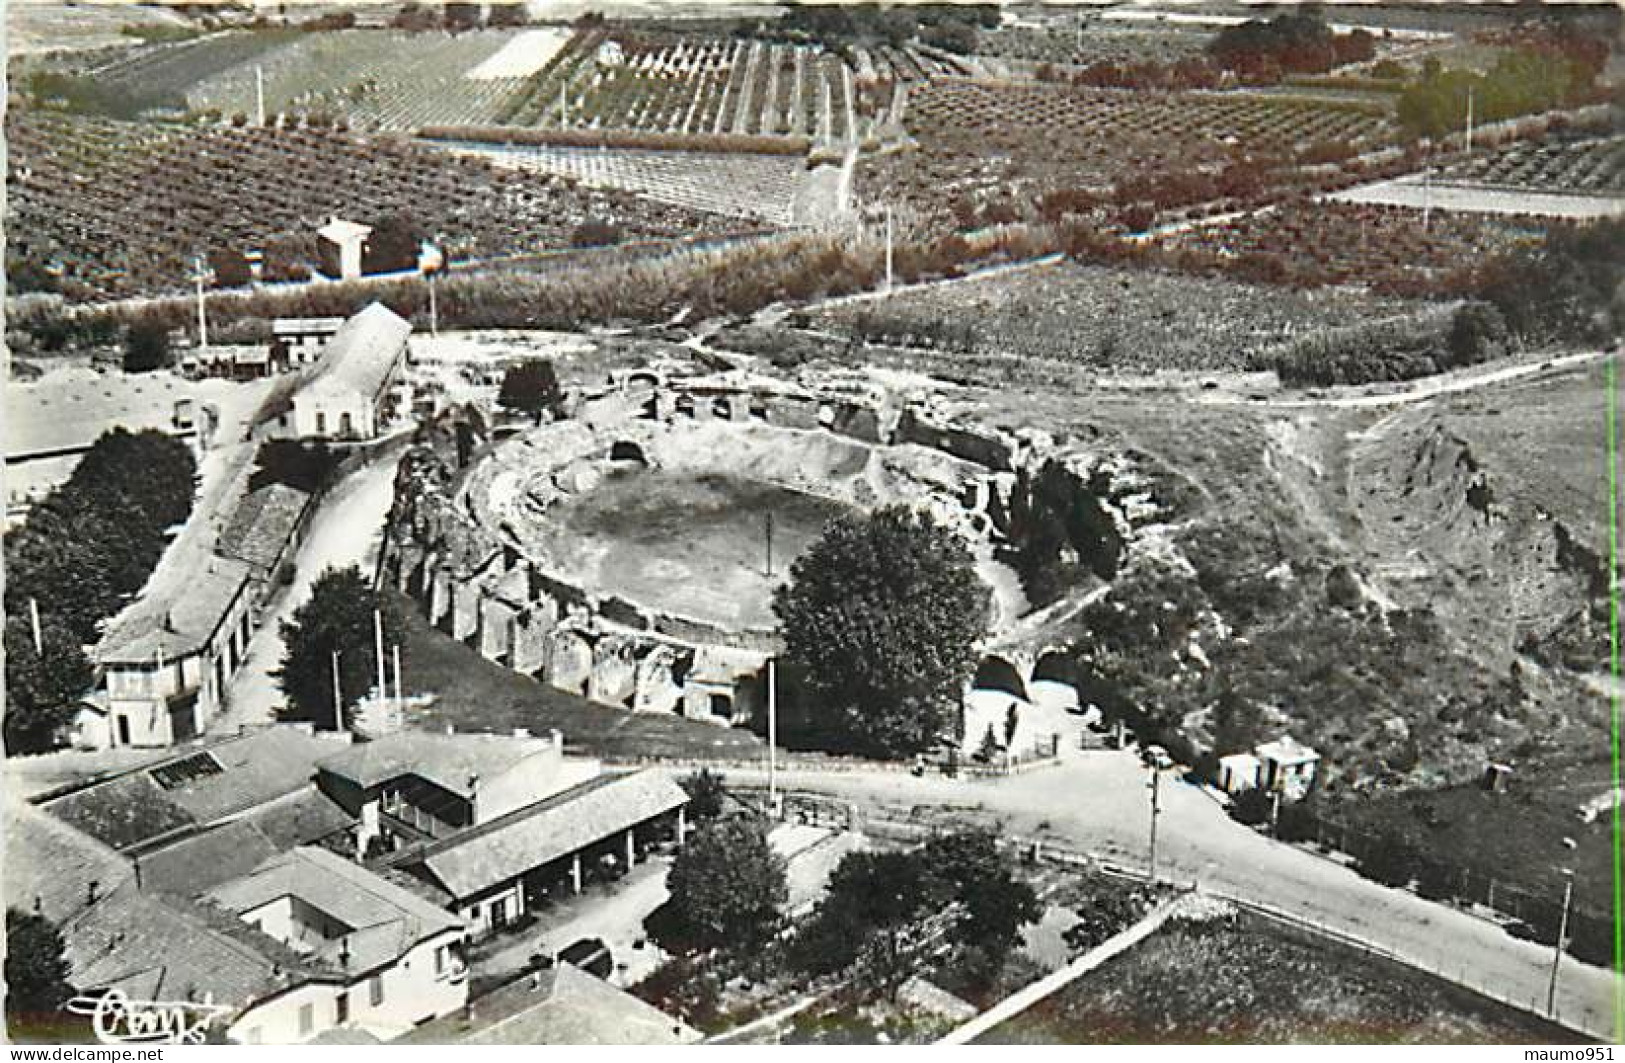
92,889
344,952
473,783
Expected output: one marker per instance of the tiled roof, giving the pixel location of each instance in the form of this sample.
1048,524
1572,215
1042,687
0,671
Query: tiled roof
299,818
385,920
166,949
339,229
49,861
563,1006
361,354
449,761
565,823
177,625
256,768
262,524
198,863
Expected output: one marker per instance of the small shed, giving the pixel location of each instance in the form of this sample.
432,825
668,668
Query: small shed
1238,772
340,246
1288,767
1496,777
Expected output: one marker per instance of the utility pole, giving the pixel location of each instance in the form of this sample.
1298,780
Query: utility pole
564,110
888,249
1156,810
202,311
772,737
400,702
770,545
33,617
1427,190
434,309
338,697
378,642
1469,139
259,94
1557,950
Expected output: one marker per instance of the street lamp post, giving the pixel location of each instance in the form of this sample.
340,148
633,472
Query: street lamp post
1156,810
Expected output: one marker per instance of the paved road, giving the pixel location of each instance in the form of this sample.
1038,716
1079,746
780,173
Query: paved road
1097,801
346,530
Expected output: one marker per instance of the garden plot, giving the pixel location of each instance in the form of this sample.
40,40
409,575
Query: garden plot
41,26
522,56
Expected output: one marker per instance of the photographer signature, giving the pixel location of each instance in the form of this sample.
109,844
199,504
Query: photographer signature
119,1020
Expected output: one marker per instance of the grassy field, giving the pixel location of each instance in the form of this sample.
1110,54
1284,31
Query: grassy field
474,694
693,545
1245,980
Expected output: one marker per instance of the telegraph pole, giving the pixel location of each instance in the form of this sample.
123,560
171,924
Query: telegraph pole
770,545
1156,810
259,94
772,737
888,249
1469,139
33,617
1557,950
202,311
400,702
378,642
338,698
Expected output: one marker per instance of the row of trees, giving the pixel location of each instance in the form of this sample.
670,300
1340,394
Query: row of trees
1297,43
84,549
1556,71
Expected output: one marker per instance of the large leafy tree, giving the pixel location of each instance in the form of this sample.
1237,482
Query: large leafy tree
531,387
880,621
338,618
36,972
727,885
41,687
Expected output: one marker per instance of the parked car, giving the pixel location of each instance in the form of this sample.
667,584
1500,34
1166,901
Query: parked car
589,954
1157,757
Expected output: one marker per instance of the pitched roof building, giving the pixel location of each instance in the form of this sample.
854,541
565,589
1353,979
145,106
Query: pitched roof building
346,395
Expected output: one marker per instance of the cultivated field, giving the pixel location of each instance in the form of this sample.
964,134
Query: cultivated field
765,188
1103,320
1012,142
1371,244
121,208
39,26
1066,42
1246,980
372,79
1593,166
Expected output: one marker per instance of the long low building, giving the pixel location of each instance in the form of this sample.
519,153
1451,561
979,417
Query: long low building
348,393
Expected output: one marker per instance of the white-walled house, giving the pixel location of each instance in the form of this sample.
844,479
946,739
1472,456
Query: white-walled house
390,960
347,393
341,246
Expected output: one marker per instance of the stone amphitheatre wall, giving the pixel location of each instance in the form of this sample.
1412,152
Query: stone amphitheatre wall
461,545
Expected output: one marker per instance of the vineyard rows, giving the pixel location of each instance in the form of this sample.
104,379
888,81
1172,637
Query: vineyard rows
373,79
688,86
1097,43
1588,167
120,209
765,188
1386,247
163,74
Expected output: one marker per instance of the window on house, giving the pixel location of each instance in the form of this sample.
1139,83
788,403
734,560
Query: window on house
341,1009
307,1019
440,957
321,423
375,990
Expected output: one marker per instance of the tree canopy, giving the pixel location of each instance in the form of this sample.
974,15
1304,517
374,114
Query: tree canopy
97,537
36,971
727,885
532,387
876,904
880,620
338,617
41,687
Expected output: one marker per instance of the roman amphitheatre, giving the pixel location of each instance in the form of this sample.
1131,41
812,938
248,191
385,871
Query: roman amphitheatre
629,553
